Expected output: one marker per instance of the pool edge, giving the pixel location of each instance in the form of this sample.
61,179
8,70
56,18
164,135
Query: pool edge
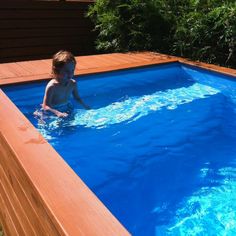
16,140
40,194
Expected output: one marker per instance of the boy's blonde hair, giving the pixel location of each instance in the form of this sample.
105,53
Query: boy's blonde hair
60,59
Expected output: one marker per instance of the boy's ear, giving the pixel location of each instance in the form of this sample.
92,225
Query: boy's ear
55,71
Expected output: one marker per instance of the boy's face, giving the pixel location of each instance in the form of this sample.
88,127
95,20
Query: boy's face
67,72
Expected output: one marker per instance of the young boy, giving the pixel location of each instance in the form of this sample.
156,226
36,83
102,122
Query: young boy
61,86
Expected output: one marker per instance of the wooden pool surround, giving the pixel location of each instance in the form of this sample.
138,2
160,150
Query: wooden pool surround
39,193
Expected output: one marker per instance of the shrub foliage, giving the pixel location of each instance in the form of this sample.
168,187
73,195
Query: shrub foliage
128,25
198,29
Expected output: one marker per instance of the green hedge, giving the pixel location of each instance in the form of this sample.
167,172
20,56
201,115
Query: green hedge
207,33
128,25
198,29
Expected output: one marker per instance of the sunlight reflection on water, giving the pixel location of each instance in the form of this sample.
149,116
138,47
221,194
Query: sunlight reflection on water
134,108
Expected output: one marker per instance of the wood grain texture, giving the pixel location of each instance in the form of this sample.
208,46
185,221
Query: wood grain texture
36,29
26,71
20,72
40,194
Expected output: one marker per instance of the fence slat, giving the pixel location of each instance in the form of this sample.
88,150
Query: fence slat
36,29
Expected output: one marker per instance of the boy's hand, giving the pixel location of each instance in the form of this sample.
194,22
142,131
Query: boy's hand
61,114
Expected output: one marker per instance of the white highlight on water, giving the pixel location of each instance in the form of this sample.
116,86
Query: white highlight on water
209,210
128,110
134,108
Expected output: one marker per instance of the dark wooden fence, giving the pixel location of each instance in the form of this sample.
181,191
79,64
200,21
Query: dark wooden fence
38,29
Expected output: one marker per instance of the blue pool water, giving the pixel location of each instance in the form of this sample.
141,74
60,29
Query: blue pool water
157,147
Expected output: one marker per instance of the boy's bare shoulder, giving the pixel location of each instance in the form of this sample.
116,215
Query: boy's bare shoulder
52,83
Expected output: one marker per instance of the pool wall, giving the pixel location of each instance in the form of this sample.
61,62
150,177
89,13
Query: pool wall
39,193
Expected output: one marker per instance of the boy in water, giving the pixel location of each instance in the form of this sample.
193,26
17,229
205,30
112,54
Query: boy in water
61,86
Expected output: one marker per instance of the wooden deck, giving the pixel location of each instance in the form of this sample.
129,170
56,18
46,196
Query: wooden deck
19,72
39,193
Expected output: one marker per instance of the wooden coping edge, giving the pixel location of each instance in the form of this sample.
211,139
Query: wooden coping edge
68,203
98,70
71,206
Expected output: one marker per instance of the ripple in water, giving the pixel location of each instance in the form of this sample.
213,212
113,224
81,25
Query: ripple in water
128,110
136,107
209,211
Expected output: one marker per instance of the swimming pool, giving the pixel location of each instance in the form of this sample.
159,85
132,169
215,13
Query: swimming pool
157,148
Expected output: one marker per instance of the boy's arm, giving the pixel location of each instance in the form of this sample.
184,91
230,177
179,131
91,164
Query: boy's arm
54,111
77,97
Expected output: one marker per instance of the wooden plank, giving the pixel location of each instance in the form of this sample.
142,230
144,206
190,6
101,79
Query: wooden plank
6,220
129,59
45,51
35,67
44,23
21,217
7,70
16,4
24,79
89,65
78,48
124,66
36,30
41,14
14,71
118,59
10,209
41,32
85,65
31,202
42,41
